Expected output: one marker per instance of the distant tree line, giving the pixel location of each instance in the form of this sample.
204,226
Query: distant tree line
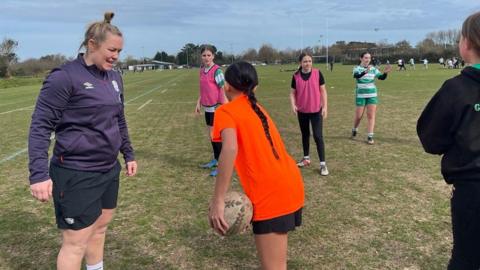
435,45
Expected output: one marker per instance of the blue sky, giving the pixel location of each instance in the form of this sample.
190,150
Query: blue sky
49,27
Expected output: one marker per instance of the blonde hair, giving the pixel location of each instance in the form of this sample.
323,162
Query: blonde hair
471,31
98,31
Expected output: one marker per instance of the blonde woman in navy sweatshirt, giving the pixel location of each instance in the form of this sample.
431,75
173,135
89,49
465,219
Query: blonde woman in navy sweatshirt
82,101
450,126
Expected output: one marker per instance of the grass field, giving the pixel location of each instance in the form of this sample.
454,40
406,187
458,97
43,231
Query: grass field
382,207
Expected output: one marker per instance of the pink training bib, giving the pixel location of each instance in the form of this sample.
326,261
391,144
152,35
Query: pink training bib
307,93
210,93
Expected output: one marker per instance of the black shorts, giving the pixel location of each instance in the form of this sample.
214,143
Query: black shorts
209,118
281,224
80,196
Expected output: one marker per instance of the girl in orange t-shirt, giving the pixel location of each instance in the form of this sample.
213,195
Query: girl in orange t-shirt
268,175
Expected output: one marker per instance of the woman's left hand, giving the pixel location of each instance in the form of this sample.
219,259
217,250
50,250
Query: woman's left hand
131,168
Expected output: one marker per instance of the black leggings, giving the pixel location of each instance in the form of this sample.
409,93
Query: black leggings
216,146
465,204
317,122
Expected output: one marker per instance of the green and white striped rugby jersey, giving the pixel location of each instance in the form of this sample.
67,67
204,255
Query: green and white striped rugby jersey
365,87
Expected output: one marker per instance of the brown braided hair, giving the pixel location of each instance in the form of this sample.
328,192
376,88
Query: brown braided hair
243,77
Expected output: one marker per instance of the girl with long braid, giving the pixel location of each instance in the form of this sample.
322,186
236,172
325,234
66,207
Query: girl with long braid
267,173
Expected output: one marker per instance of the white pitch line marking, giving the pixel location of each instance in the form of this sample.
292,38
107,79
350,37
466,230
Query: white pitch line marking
152,90
16,110
144,104
12,156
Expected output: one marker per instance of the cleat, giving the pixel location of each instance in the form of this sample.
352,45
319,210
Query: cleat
211,164
303,163
324,170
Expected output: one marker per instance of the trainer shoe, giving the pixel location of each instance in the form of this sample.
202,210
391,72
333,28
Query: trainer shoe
212,163
354,134
214,172
323,170
303,163
370,140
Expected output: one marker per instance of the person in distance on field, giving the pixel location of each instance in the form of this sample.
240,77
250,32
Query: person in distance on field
211,96
308,99
366,94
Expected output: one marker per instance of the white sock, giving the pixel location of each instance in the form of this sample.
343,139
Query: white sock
370,135
354,129
323,163
98,266
306,157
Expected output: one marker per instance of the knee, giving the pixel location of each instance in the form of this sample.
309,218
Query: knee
371,116
101,230
306,134
101,226
76,248
318,138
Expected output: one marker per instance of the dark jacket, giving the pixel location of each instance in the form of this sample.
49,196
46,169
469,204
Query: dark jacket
450,126
84,106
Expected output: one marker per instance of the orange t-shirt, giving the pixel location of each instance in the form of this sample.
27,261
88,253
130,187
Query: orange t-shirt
274,186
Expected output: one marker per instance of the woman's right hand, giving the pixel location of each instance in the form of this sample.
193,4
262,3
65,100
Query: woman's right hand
216,216
42,191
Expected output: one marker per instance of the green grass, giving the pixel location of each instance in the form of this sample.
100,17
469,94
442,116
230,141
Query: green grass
382,207
19,81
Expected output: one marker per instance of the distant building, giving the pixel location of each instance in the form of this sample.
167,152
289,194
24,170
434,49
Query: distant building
153,65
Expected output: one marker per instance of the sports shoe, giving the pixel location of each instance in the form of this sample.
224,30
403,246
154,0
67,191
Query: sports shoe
303,163
214,172
323,170
354,134
212,163
370,140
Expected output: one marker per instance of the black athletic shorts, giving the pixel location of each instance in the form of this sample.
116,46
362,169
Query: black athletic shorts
209,118
80,196
281,224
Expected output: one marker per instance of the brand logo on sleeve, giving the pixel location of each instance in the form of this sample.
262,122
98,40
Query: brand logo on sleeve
88,85
477,107
115,85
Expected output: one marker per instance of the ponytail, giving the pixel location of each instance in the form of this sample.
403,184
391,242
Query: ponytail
98,31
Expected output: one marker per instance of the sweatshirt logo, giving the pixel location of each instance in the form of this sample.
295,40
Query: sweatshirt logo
115,85
477,107
88,85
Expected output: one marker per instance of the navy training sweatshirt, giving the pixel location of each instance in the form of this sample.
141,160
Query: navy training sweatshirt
84,106
450,126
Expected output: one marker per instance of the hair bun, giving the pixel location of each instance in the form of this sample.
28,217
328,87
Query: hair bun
108,17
